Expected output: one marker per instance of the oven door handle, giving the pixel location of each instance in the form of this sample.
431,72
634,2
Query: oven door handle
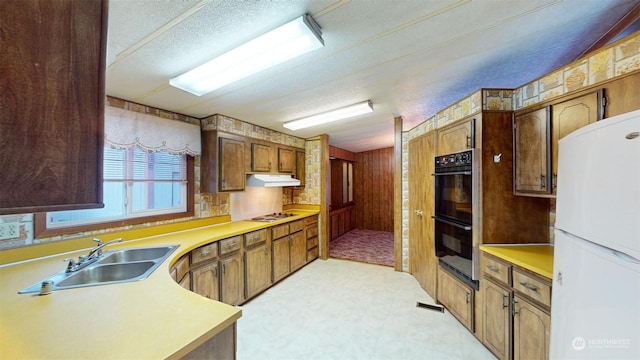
460,226
452,173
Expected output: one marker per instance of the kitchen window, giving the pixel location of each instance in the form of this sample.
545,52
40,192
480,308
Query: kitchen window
138,187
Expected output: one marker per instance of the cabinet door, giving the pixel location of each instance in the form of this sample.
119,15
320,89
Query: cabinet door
530,331
457,297
531,148
568,116
286,161
204,281
455,138
231,280
257,270
280,255
260,158
300,167
496,319
232,175
423,262
52,104
298,250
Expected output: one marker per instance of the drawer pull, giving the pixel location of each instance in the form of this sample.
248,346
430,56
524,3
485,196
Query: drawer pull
205,252
493,268
529,286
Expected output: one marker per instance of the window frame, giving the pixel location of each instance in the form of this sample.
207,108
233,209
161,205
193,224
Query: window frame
40,219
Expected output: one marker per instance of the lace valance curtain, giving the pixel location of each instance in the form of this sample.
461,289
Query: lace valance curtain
125,129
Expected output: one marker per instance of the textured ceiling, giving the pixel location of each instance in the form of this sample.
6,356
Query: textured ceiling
411,58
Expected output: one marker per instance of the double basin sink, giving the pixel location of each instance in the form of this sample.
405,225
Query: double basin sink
114,266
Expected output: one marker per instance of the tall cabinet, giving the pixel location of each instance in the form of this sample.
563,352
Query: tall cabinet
52,105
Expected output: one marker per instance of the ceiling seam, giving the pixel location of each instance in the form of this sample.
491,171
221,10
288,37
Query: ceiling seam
159,32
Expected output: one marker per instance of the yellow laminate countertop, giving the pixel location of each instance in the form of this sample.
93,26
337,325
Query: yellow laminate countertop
537,258
150,319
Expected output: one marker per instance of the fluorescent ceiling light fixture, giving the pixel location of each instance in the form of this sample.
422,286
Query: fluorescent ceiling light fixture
329,116
277,46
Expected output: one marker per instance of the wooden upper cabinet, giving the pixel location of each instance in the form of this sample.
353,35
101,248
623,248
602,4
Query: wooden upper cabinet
52,105
260,157
286,161
456,137
301,167
222,162
531,144
571,115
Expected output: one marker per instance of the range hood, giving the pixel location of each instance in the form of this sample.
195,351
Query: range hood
269,180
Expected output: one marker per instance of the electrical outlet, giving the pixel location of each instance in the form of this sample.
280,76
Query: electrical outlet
9,230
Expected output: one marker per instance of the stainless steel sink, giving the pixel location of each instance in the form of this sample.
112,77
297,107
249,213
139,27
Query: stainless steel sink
115,266
107,274
131,255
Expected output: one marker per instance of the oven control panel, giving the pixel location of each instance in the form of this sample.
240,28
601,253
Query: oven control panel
462,159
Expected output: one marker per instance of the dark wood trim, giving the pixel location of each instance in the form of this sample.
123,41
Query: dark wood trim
628,19
40,220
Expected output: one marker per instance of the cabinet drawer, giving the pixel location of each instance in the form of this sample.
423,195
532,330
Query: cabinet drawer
296,226
204,253
311,219
495,268
312,254
230,245
279,231
312,242
182,267
255,237
532,286
312,231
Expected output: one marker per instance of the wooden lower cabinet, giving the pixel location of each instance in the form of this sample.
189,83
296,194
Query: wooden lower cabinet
457,297
235,269
298,251
281,260
531,327
257,270
220,347
516,318
496,319
204,281
231,280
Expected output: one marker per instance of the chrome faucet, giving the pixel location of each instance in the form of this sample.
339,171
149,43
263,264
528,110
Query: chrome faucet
94,254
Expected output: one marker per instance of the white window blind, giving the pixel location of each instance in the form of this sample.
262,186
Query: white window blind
136,184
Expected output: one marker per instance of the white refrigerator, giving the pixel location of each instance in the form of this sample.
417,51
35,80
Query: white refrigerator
595,302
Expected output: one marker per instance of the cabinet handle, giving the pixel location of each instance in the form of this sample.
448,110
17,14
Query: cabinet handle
224,270
505,301
467,295
529,286
419,212
205,252
468,142
513,307
493,268
542,178
215,272
554,181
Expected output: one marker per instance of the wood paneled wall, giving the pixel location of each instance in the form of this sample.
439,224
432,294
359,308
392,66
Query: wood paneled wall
339,153
373,189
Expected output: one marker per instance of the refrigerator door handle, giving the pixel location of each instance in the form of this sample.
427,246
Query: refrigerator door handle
625,257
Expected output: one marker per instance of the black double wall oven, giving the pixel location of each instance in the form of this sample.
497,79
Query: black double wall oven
456,207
